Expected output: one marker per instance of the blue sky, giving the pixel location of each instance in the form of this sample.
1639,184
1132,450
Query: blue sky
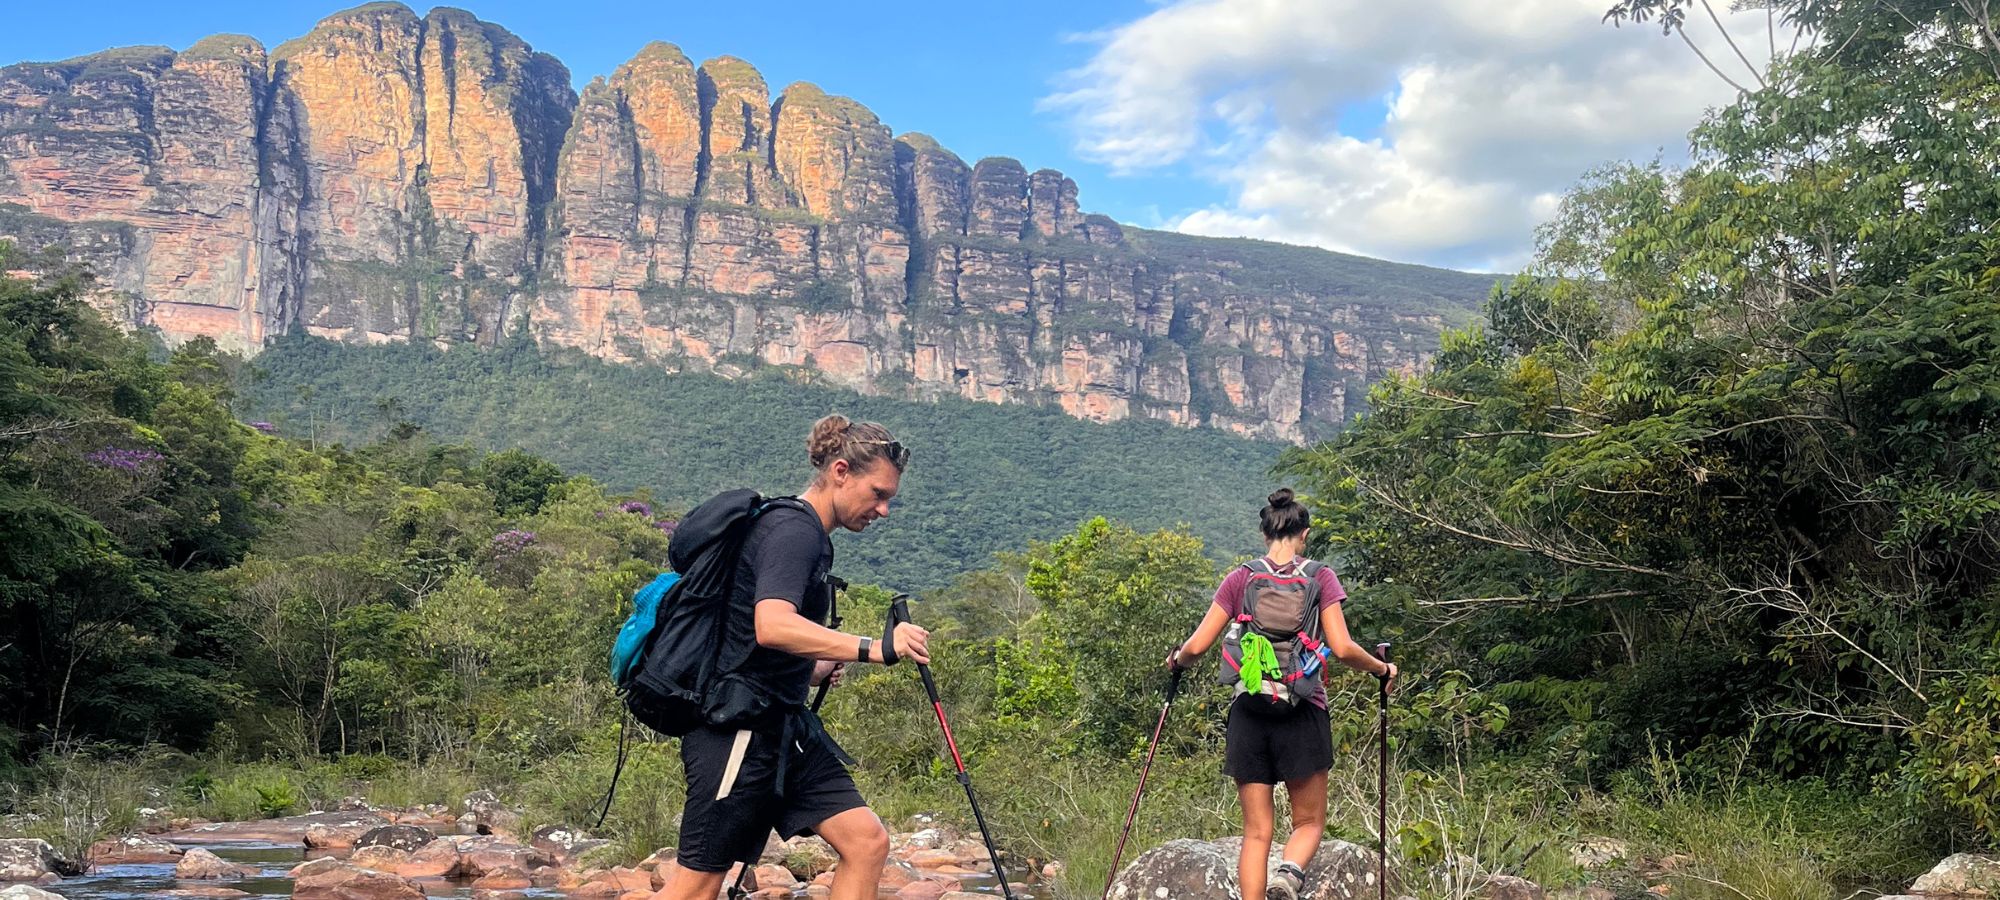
1432,131
969,75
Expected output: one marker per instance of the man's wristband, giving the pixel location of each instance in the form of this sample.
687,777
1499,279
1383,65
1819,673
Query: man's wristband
862,656
889,656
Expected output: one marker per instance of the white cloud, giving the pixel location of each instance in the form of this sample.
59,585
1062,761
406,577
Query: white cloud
1493,109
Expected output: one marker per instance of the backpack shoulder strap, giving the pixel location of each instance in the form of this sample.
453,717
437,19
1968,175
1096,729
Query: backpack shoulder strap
1260,566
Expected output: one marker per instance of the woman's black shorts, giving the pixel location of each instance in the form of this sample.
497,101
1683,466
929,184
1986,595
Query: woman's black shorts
1261,750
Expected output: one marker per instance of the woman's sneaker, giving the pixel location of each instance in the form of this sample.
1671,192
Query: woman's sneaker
1286,882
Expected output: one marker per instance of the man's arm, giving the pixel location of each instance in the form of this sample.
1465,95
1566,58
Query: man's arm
781,628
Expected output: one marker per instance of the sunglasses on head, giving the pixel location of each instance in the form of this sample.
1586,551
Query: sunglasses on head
899,455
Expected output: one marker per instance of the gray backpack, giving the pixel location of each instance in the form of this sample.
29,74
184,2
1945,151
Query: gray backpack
1273,650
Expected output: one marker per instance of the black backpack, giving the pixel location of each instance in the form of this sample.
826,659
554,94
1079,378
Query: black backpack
675,686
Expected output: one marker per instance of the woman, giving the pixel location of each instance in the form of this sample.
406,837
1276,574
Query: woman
1278,729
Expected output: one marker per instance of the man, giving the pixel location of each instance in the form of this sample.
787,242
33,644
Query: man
787,774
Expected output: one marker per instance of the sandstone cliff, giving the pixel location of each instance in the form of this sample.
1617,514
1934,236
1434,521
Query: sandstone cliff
392,177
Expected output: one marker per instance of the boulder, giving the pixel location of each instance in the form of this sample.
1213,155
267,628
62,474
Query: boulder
315,866
1202,869
1052,871
898,873
921,890
201,865
932,859
806,857
27,892
348,882
437,859
28,859
343,835
770,876
1508,887
564,844
488,815
594,890
132,850
505,878
485,854
1961,875
400,837
436,887
382,858
624,879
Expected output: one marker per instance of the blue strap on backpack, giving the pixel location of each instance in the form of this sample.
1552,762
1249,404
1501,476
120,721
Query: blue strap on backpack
630,647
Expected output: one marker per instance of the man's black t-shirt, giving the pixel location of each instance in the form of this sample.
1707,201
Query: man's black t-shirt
786,557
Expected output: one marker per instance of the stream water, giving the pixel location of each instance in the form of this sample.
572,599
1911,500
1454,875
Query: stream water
274,862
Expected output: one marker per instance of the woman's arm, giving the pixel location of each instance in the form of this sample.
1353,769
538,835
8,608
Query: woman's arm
1333,623
1203,638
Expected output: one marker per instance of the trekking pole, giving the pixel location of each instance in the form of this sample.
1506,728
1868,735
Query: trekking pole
1173,687
899,612
1382,787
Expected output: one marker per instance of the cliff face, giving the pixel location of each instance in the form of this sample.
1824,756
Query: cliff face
390,176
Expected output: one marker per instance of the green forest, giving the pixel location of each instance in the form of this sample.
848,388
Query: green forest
986,478
1689,541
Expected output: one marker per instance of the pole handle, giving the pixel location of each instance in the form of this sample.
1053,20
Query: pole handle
1173,684
1382,653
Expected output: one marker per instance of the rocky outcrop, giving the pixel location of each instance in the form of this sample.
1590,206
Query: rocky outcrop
202,865
395,177
32,859
1194,869
1963,875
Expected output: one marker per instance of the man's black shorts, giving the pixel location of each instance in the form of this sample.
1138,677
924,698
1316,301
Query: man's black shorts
718,831
1260,750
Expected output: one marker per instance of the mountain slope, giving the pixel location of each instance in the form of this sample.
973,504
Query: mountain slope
984,478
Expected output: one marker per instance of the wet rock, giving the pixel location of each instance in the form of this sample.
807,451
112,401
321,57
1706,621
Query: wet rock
26,859
623,879
209,893
921,890
436,887
481,855
1962,875
594,890
400,837
201,865
505,878
931,859
1508,887
132,850
315,867
27,892
343,835
382,858
288,830
563,843
347,882
437,859
898,873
